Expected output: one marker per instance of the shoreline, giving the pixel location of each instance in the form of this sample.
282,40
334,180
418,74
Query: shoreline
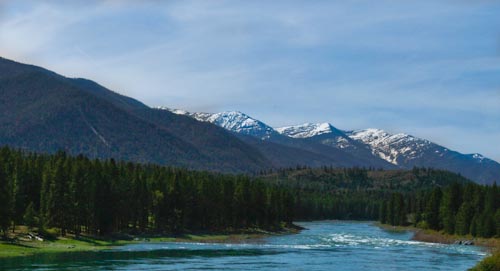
432,236
491,245
83,243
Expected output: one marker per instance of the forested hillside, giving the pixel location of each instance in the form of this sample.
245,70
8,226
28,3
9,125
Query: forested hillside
80,195
42,111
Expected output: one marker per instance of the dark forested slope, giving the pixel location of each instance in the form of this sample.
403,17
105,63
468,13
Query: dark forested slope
45,112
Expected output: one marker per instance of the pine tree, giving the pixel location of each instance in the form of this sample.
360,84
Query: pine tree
431,215
5,196
464,218
390,211
30,217
497,223
382,213
487,227
475,225
449,207
399,210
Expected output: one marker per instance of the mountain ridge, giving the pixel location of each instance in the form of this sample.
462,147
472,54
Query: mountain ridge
43,111
401,150
319,154
46,112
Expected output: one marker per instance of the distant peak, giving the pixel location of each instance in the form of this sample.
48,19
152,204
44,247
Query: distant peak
234,120
370,132
163,108
233,113
176,111
306,130
478,157
373,134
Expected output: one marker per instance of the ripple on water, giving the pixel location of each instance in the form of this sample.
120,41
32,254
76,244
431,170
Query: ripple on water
325,245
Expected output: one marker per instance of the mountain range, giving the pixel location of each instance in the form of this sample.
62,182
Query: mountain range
42,111
374,147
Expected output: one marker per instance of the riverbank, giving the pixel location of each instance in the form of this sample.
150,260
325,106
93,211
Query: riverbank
354,245
491,262
432,236
442,238
19,245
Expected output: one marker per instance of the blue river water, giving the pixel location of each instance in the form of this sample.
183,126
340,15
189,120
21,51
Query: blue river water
325,245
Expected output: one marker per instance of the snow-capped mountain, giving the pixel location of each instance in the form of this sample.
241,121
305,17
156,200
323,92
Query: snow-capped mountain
408,151
369,147
234,121
330,135
307,130
403,149
397,149
326,134
100,123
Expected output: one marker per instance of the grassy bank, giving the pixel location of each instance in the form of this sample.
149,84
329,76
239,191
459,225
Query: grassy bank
19,245
490,263
432,236
443,238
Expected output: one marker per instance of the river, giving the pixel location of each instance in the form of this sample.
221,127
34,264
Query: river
325,245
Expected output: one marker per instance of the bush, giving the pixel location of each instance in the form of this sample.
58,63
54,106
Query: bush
491,263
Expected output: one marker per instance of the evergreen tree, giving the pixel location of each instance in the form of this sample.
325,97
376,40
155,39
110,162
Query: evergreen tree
464,218
383,213
449,207
5,196
497,223
431,214
30,217
399,210
475,225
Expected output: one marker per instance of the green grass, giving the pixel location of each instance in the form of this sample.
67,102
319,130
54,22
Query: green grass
490,263
26,248
22,246
12,250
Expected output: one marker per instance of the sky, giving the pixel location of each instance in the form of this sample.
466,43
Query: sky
427,68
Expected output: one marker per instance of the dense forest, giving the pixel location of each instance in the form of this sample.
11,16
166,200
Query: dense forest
351,193
100,197
456,209
80,195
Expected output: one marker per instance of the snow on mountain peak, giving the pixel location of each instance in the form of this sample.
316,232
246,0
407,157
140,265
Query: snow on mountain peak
368,135
392,147
306,130
478,157
234,121
179,112
198,116
239,122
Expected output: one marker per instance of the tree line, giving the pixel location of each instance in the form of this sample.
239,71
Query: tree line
460,208
352,193
79,195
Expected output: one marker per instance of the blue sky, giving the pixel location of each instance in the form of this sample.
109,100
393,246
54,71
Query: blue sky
428,68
